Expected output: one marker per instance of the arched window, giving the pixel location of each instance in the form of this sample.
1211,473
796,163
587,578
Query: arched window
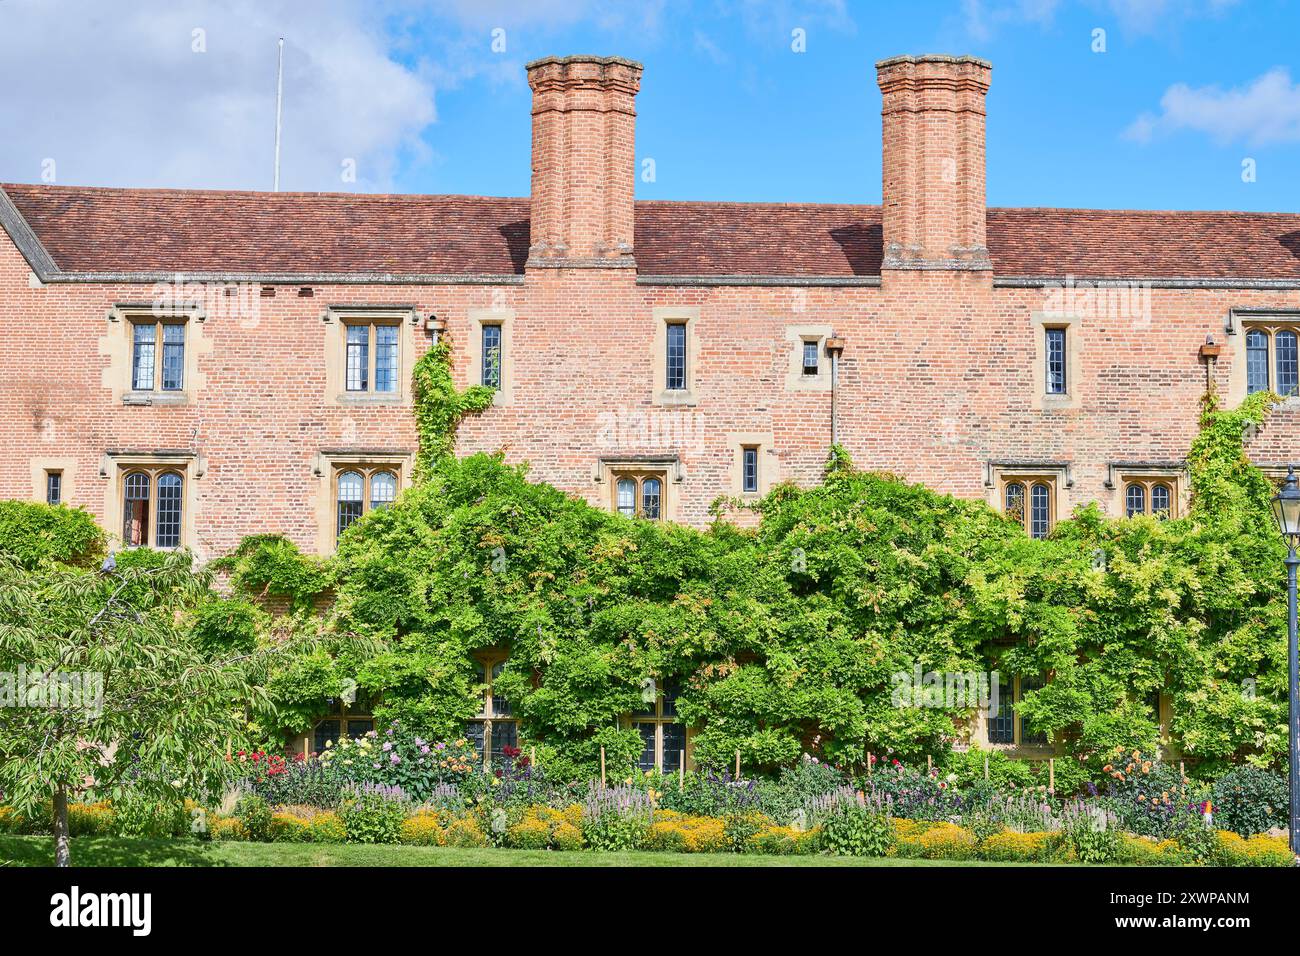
383,489
1015,501
1284,342
1150,494
639,494
650,495
168,533
135,509
1135,501
351,498
627,496
1040,510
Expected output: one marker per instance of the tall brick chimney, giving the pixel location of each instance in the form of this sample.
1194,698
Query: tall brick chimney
584,159
933,162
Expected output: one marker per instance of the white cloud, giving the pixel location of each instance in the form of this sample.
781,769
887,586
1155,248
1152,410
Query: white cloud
1267,110
115,95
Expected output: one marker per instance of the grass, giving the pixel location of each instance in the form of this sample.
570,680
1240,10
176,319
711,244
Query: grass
113,851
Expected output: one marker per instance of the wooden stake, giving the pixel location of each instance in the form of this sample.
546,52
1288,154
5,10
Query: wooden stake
602,766
1051,775
869,763
532,757
1181,772
737,763
929,763
986,767
681,770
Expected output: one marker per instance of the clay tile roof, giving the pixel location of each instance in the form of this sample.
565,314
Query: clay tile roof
147,230
143,230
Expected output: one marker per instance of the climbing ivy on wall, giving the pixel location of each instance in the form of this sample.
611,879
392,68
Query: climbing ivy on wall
785,637
439,405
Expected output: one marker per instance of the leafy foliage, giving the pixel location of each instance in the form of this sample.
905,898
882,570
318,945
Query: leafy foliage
31,534
439,405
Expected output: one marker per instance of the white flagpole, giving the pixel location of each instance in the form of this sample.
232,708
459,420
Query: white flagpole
279,98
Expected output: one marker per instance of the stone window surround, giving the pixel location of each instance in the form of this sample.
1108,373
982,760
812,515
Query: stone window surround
608,468
665,316
1056,474
116,465
768,463
505,318
1239,322
326,466
977,729
67,467
795,379
629,722
336,319
1040,399
489,659
1120,473
118,341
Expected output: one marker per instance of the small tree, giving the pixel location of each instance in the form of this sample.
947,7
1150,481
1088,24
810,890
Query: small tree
102,685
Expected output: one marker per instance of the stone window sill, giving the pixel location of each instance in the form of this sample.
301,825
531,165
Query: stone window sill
156,398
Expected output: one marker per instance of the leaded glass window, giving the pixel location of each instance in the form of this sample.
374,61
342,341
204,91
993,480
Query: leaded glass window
1256,361
492,356
1040,510
749,470
358,358
383,489
173,368
351,498
676,358
650,498
53,487
1014,505
359,488
648,732
143,356
663,738
639,495
170,487
1002,725
1149,495
627,496
1055,353
135,509
810,358
1009,726
495,728
1284,343
1135,501
385,358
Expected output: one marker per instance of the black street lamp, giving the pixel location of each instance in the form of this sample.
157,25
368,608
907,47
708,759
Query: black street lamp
1286,508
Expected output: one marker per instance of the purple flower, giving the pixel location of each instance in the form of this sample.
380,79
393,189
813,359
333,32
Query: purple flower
388,746
395,759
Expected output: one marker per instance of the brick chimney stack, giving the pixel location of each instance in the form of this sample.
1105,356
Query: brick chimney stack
933,162
584,161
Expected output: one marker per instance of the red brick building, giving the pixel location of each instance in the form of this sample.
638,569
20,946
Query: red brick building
194,367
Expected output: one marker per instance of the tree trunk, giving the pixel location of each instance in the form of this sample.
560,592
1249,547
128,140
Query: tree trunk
62,846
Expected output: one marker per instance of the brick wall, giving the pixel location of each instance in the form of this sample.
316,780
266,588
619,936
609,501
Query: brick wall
940,375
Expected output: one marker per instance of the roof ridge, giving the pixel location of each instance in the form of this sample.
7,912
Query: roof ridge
260,194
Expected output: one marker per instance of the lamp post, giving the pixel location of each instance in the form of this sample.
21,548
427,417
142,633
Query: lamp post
1286,508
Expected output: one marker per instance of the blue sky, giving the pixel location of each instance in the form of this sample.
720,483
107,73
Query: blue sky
416,98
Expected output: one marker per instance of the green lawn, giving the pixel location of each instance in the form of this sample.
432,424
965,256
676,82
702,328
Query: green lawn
110,851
